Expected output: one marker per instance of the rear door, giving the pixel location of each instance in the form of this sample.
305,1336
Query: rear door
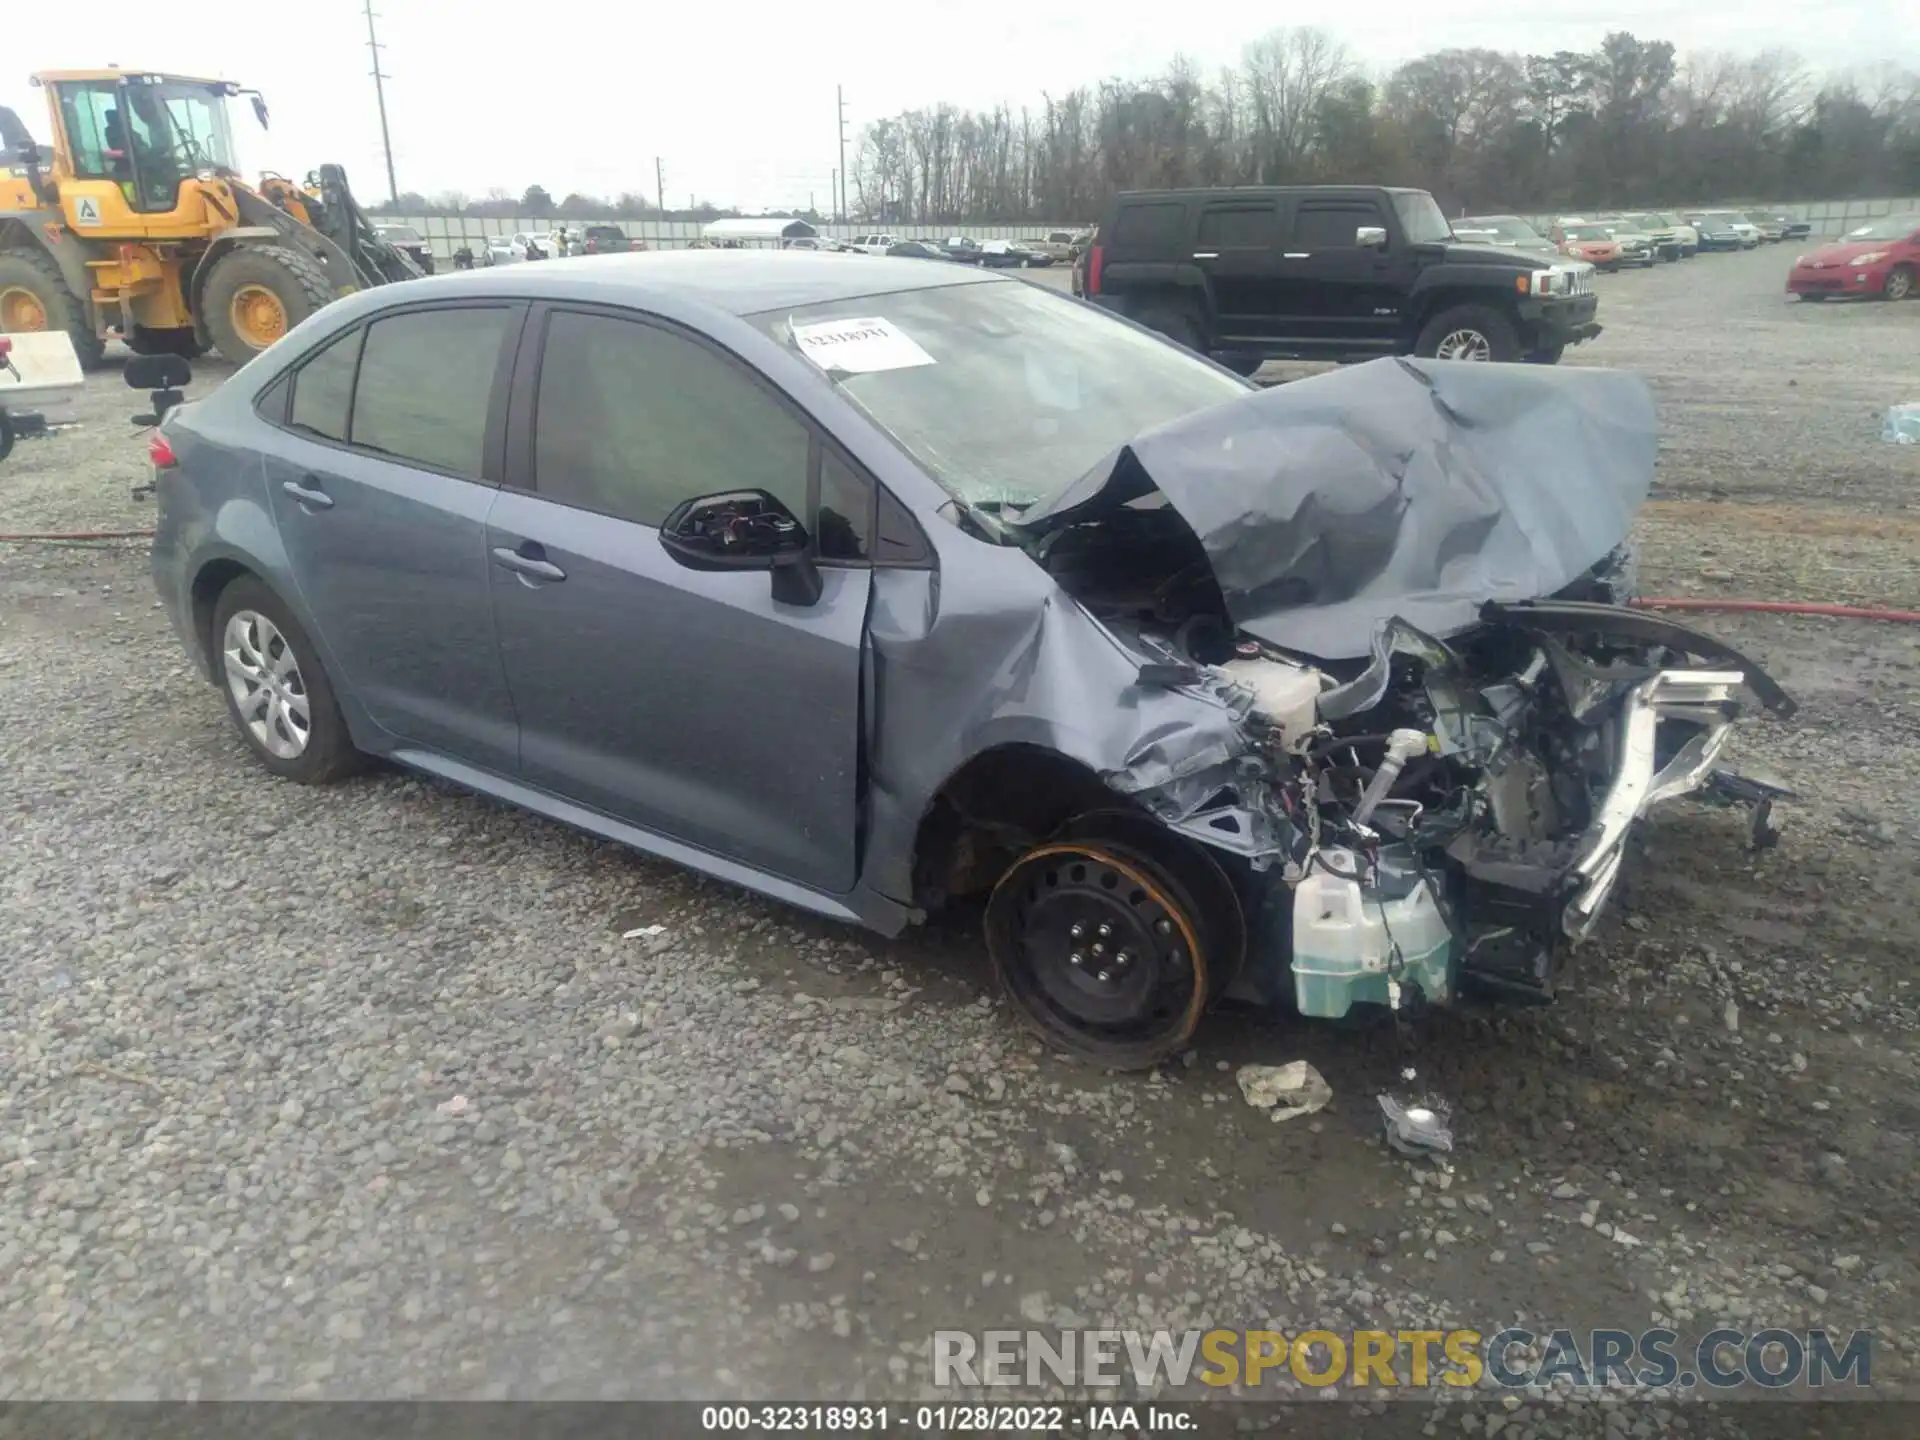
686,702
1337,294
380,485
1237,247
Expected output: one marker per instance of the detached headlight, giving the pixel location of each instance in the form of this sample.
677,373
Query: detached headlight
1872,257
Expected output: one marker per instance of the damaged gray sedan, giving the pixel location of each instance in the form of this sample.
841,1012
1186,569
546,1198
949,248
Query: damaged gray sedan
877,588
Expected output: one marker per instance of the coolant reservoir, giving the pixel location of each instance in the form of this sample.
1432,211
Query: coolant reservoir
1343,935
1287,695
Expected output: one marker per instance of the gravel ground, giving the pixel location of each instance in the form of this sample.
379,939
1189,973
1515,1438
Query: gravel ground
360,1092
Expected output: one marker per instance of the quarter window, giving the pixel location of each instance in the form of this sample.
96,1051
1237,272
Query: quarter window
426,380
323,389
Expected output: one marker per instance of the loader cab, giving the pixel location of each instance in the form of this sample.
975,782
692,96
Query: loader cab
146,134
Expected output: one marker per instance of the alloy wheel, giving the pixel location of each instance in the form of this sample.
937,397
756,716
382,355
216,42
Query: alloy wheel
269,693
1464,344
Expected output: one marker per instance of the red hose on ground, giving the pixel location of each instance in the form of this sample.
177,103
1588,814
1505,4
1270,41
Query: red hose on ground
81,535
1786,607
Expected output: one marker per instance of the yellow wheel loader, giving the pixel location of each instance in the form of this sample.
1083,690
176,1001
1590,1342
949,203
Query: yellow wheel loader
140,227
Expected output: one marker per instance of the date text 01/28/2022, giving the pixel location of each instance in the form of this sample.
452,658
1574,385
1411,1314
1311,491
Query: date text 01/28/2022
942,1419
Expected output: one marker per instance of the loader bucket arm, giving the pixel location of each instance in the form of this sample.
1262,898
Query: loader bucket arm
347,225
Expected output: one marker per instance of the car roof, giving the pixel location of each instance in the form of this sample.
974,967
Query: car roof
736,282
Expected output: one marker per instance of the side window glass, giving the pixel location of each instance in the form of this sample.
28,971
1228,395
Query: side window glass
844,520
92,119
323,389
1154,226
426,379
1331,227
1238,227
632,419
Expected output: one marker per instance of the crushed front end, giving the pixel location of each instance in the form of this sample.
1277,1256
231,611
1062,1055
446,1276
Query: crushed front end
1411,581
1452,814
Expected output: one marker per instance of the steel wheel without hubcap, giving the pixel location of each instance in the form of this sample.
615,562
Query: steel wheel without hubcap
1464,345
268,691
21,310
1100,949
258,315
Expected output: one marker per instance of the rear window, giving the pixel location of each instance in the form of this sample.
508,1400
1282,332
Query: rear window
1326,226
1239,227
425,382
1159,225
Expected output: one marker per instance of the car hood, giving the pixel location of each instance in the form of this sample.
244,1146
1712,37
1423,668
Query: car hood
1499,252
1844,251
1404,488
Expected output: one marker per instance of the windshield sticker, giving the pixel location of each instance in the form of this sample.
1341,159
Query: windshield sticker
859,347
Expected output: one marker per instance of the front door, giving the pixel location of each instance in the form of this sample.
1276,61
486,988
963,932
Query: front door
380,492
690,703
1236,246
1337,294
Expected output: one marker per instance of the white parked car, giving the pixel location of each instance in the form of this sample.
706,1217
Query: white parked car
877,244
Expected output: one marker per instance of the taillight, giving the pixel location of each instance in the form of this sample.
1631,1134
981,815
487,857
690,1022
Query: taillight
1095,256
160,452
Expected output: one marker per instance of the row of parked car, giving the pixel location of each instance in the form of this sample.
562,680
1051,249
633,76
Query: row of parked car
1614,240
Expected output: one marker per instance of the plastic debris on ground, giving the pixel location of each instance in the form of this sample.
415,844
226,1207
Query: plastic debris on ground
1417,1129
1903,425
1287,1090
644,932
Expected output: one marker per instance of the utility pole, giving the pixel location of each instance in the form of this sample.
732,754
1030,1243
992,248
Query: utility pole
840,98
380,94
660,186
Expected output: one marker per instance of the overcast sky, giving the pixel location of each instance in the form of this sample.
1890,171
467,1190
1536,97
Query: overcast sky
737,97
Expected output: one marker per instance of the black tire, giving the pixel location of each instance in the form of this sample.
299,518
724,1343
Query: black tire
1503,344
1900,283
1245,366
35,272
1045,922
328,753
1177,324
294,279
6,435
183,342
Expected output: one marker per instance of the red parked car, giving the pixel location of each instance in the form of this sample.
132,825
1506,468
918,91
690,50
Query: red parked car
1882,258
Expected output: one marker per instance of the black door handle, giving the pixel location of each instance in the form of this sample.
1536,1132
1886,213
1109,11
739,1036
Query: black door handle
529,560
312,496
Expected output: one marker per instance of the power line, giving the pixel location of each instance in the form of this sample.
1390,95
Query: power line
380,94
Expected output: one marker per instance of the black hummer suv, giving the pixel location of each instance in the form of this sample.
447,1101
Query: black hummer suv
1328,272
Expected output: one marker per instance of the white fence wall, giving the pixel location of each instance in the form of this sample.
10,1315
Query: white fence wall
447,233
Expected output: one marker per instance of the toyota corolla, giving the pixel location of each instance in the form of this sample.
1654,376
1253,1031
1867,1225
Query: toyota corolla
876,587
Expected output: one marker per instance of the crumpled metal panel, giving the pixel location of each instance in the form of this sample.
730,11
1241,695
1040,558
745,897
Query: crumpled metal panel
1011,659
1405,489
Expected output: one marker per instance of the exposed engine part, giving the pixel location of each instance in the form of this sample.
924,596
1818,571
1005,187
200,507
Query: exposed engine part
1285,695
1402,746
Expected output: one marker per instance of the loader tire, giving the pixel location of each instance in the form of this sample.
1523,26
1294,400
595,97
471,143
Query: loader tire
34,296
256,294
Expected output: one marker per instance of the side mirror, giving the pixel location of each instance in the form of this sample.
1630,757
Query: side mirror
157,372
744,530
1371,237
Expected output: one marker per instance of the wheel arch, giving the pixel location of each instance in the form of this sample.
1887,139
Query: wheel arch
45,231
1445,294
1002,797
